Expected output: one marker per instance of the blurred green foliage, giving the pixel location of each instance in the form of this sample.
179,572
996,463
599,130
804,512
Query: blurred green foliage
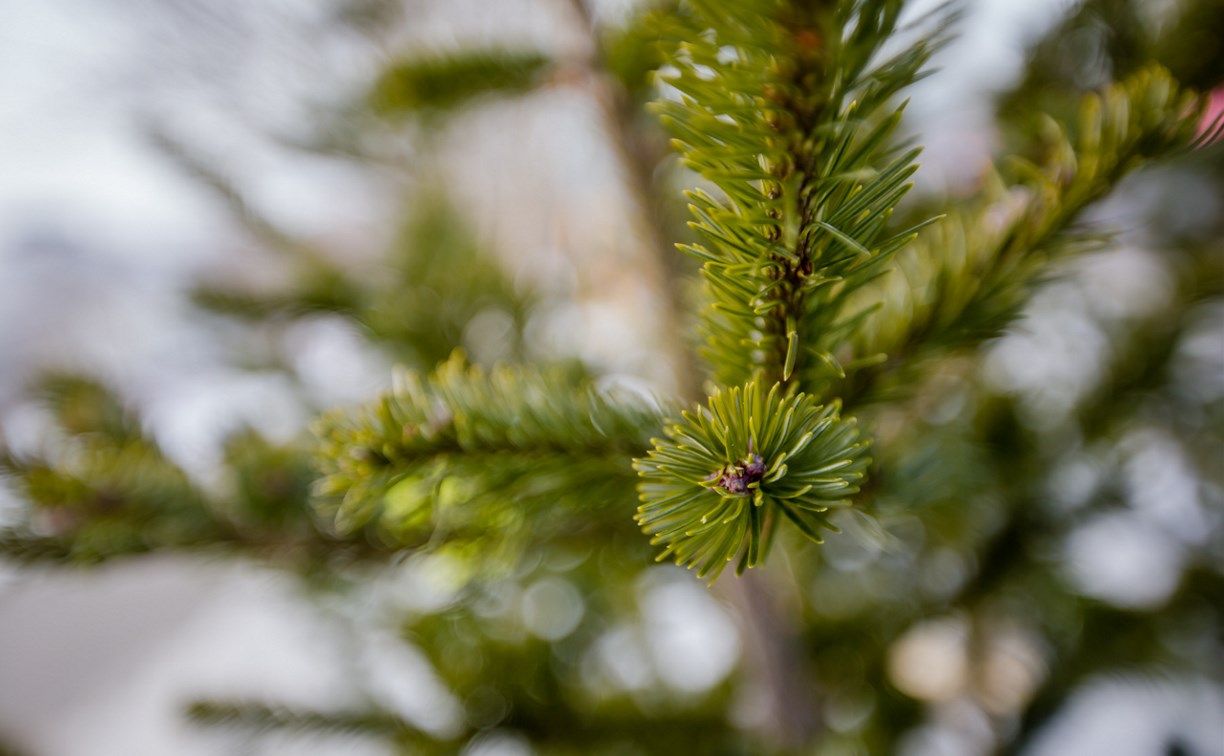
437,459
415,304
439,84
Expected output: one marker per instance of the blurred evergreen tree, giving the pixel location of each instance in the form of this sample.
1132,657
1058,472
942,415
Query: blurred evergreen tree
853,378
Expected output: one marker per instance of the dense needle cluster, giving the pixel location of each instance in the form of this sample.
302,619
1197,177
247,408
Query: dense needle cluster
773,456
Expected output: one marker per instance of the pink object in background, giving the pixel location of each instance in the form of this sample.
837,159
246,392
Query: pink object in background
1213,115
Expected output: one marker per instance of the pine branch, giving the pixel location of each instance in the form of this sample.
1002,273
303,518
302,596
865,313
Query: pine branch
262,717
442,83
104,489
965,279
784,110
438,457
617,82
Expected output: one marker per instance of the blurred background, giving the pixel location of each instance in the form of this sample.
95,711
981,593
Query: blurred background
218,219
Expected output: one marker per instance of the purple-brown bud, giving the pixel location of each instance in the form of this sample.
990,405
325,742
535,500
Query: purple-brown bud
736,479
755,469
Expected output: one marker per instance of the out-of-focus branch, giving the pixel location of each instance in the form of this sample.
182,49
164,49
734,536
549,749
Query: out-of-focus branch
638,154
